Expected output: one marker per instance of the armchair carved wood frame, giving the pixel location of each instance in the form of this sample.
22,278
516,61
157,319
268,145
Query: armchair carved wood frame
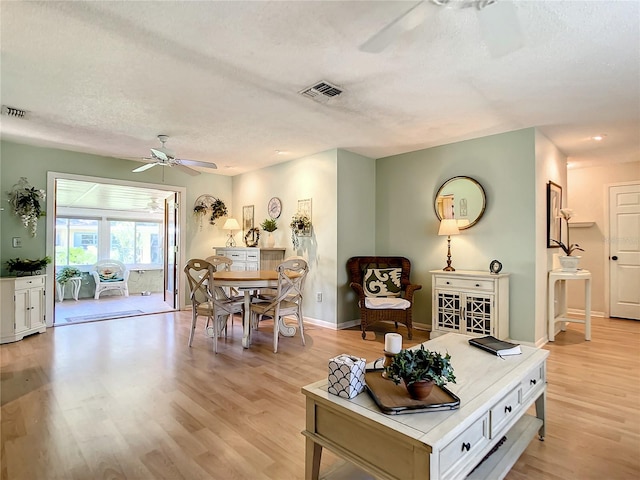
358,266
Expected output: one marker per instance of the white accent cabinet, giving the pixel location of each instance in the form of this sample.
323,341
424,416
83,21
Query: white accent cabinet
470,302
23,308
252,258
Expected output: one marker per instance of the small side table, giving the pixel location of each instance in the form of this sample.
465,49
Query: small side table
75,282
562,277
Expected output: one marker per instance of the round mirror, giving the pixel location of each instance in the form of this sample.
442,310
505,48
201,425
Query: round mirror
461,198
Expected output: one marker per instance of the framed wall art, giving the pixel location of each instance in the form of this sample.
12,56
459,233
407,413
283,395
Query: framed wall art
554,224
247,218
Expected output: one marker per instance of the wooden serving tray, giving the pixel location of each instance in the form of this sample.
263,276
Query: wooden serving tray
394,399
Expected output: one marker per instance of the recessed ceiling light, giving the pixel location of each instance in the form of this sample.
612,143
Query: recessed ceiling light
599,138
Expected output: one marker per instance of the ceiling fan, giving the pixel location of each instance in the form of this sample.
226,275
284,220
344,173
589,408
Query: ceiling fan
164,157
499,24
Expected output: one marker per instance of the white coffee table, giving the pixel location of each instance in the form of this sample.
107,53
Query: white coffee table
494,393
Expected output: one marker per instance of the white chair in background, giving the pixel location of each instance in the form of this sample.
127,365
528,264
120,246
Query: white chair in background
110,275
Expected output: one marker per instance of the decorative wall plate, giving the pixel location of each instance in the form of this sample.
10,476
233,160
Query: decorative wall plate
495,266
274,207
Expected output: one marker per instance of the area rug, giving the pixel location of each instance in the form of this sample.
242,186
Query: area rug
103,316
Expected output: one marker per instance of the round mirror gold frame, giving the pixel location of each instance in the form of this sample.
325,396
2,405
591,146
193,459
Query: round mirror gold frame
462,198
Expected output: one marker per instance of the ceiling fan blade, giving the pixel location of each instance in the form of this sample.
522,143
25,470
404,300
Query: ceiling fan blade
196,163
404,23
185,169
159,154
500,28
142,168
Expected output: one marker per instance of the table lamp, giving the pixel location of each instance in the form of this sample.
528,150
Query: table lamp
448,227
231,224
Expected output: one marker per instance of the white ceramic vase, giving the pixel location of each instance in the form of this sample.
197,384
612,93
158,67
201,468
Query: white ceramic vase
569,263
271,241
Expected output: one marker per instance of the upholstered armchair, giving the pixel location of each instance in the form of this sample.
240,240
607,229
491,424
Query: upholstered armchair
385,293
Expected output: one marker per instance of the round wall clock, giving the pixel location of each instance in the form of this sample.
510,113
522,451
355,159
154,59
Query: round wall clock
495,266
274,207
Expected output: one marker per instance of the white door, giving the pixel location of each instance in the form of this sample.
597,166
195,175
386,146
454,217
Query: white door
624,251
171,248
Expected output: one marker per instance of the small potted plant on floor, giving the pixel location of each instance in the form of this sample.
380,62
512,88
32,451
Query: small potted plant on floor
420,369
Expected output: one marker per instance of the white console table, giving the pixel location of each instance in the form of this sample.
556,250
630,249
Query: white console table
494,393
560,314
252,258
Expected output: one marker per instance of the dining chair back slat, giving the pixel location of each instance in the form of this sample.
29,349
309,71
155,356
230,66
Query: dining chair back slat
288,299
215,305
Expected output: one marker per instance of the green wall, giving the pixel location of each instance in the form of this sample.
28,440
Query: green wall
17,160
356,224
406,223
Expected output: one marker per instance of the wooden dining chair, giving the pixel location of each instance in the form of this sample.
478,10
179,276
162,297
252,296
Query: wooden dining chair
288,299
205,301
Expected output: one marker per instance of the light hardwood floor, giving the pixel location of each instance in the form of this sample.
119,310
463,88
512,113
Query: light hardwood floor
127,399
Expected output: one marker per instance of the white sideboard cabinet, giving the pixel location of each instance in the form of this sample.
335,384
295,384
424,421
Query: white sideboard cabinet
470,302
252,258
23,308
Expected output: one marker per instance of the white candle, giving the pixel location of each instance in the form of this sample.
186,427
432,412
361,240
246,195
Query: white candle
392,343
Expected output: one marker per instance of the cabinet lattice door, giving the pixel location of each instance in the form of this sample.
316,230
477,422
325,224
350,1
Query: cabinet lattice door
477,314
449,310
470,302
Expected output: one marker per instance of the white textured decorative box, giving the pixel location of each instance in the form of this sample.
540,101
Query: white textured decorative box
346,375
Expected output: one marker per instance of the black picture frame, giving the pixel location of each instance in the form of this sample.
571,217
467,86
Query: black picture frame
554,221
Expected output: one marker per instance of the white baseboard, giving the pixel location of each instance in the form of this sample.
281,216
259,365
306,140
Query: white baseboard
577,311
353,323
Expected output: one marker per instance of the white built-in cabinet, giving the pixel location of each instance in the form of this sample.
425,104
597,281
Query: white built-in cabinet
252,258
23,307
470,302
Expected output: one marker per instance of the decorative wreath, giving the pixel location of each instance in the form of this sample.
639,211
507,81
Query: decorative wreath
252,237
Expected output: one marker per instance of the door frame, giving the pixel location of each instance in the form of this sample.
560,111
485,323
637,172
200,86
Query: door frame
51,218
607,243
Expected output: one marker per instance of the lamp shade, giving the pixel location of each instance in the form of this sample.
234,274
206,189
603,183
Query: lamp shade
231,224
448,226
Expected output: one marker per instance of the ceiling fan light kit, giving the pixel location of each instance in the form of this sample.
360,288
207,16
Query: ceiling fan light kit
166,158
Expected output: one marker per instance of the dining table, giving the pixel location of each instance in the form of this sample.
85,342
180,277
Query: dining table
247,282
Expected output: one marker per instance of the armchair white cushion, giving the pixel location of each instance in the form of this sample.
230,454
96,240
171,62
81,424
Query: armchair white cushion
386,302
110,275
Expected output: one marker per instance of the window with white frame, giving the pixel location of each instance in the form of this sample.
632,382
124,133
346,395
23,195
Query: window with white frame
83,241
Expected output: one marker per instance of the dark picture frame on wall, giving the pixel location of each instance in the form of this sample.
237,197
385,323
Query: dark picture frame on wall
554,221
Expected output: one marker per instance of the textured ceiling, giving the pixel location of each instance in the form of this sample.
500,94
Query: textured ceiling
222,78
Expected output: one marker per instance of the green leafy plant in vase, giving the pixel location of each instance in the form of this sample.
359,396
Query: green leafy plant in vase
420,369
66,274
269,225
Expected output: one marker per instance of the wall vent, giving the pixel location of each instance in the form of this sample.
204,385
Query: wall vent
321,91
13,112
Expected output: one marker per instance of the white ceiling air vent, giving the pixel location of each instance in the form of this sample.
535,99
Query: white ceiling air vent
321,91
13,112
